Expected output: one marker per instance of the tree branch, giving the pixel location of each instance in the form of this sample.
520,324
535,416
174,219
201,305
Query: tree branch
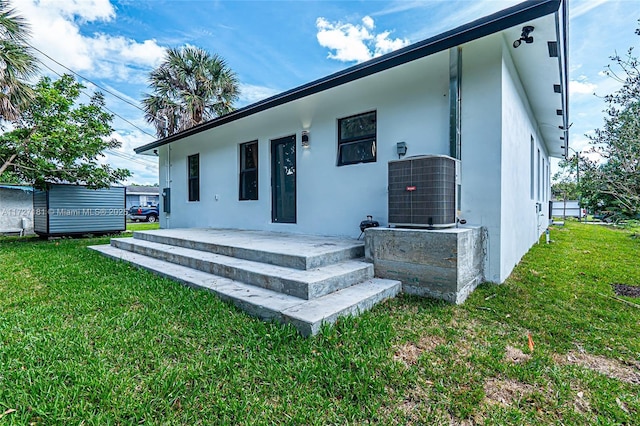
7,163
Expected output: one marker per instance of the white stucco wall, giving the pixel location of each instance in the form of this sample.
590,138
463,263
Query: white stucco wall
412,106
481,139
518,208
497,126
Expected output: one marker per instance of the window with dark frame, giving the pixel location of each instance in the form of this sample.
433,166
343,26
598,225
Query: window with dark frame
249,171
539,174
533,168
357,139
193,170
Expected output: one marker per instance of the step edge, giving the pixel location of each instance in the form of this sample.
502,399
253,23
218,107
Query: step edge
304,327
300,262
308,287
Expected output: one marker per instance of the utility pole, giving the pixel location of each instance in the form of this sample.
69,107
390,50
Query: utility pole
578,182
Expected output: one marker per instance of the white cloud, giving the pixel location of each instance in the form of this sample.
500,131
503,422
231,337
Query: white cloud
55,27
581,86
385,45
143,168
83,10
368,22
250,93
443,16
131,139
355,42
401,6
146,53
579,8
121,95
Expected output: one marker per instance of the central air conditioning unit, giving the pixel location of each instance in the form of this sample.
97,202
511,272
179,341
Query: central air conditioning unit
423,191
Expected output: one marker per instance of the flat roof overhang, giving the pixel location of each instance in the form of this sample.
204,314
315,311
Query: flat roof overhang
542,68
509,21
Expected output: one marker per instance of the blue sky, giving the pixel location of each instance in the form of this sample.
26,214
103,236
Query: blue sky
277,45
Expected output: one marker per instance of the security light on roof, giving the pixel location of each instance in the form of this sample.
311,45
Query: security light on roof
525,36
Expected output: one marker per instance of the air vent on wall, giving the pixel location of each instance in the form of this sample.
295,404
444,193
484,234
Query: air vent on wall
422,191
553,48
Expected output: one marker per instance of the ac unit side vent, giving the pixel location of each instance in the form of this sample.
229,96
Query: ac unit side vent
422,191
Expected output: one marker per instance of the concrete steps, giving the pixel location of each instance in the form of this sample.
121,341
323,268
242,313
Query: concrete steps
288,250
306,315
293,279
305,284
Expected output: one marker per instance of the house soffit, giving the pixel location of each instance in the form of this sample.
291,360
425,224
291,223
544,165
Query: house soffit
538,73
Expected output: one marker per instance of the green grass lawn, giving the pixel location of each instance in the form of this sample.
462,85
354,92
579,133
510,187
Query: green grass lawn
142,226
86,339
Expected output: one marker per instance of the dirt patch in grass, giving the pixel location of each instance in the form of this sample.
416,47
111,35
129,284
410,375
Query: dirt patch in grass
410,352
416,396
515,355
581,403
615,369
506,392
626,290
409,405
453,421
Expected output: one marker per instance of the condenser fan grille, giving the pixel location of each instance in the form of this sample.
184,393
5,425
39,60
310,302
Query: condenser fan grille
422,191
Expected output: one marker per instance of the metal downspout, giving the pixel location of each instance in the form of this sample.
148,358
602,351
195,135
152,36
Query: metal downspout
455,73
455,104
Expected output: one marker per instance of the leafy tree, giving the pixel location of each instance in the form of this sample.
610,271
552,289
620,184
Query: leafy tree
189,87
565,190
614,183
565,185
17,63
60,141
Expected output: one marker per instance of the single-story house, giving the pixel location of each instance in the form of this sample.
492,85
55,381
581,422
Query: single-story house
16,209
142,196
491,94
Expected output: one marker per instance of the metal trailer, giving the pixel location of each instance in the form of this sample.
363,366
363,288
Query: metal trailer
569,209
67,210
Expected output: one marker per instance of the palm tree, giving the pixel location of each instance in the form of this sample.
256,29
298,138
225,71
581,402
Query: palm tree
189,87
17,63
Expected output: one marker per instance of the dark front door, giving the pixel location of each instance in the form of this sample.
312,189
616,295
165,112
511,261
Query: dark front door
283,180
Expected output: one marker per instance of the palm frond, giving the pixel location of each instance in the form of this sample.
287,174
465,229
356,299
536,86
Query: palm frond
189,87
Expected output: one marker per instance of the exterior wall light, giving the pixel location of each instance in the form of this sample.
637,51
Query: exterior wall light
305,139
401,148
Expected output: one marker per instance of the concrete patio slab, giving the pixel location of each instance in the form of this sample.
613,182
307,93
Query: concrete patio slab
289,250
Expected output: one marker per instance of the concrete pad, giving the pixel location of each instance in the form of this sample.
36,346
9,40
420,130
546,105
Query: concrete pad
444,264
289,250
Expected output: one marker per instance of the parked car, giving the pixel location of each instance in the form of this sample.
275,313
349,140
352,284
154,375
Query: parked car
146,213
604,216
